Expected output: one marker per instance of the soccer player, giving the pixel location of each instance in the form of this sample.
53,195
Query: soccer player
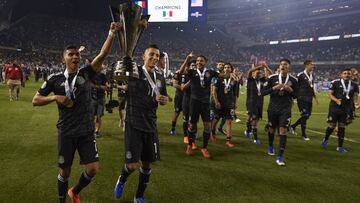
282,88
219,69
200,79
72,93
177,81
185,87
305,96
141,139
343,95
99,87
224,93
257,77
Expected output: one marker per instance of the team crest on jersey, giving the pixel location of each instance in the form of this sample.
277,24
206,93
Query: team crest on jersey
128,155
265,83
207,74
80,80
289,83
43,85
62,84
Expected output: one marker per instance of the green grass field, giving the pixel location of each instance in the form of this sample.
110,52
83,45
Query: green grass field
28,155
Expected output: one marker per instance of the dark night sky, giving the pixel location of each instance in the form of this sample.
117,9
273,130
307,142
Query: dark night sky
80,9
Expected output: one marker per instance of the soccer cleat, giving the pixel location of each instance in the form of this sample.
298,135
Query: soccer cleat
193,146
75,198
292,130
213,137
341,149
186,140
139,200
247,135
279,161
324,143
188,150
229,144
173,132
306,138
271,151
257,141
119,188
205,153
221,131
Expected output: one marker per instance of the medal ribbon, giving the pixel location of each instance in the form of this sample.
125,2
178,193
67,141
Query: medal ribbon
69,89
151,82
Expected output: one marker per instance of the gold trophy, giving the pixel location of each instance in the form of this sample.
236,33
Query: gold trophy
133,25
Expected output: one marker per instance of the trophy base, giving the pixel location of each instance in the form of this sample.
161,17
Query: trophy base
125,70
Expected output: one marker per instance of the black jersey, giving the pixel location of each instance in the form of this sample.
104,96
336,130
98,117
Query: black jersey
252,93
305,90
178,77
141,103
185,79
77,120
201,90
280,100
338,91
99,79
226,95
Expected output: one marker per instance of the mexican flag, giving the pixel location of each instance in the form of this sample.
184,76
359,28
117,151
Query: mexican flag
142,4
167,13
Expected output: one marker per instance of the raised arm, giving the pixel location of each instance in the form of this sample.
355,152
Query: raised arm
99,59
185,63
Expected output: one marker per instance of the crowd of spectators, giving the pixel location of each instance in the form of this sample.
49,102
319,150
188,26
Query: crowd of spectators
41,42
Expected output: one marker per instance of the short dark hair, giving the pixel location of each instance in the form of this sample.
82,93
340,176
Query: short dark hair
285,59
307,62
220,61
154,46
70,47
202,56
346,69
231,66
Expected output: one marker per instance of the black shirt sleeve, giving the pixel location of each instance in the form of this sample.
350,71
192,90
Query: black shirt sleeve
48,86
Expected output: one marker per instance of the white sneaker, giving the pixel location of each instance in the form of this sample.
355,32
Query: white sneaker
279,161
237,120
306,138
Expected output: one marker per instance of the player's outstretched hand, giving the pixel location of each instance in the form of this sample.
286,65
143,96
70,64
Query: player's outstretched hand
115,26
190,56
